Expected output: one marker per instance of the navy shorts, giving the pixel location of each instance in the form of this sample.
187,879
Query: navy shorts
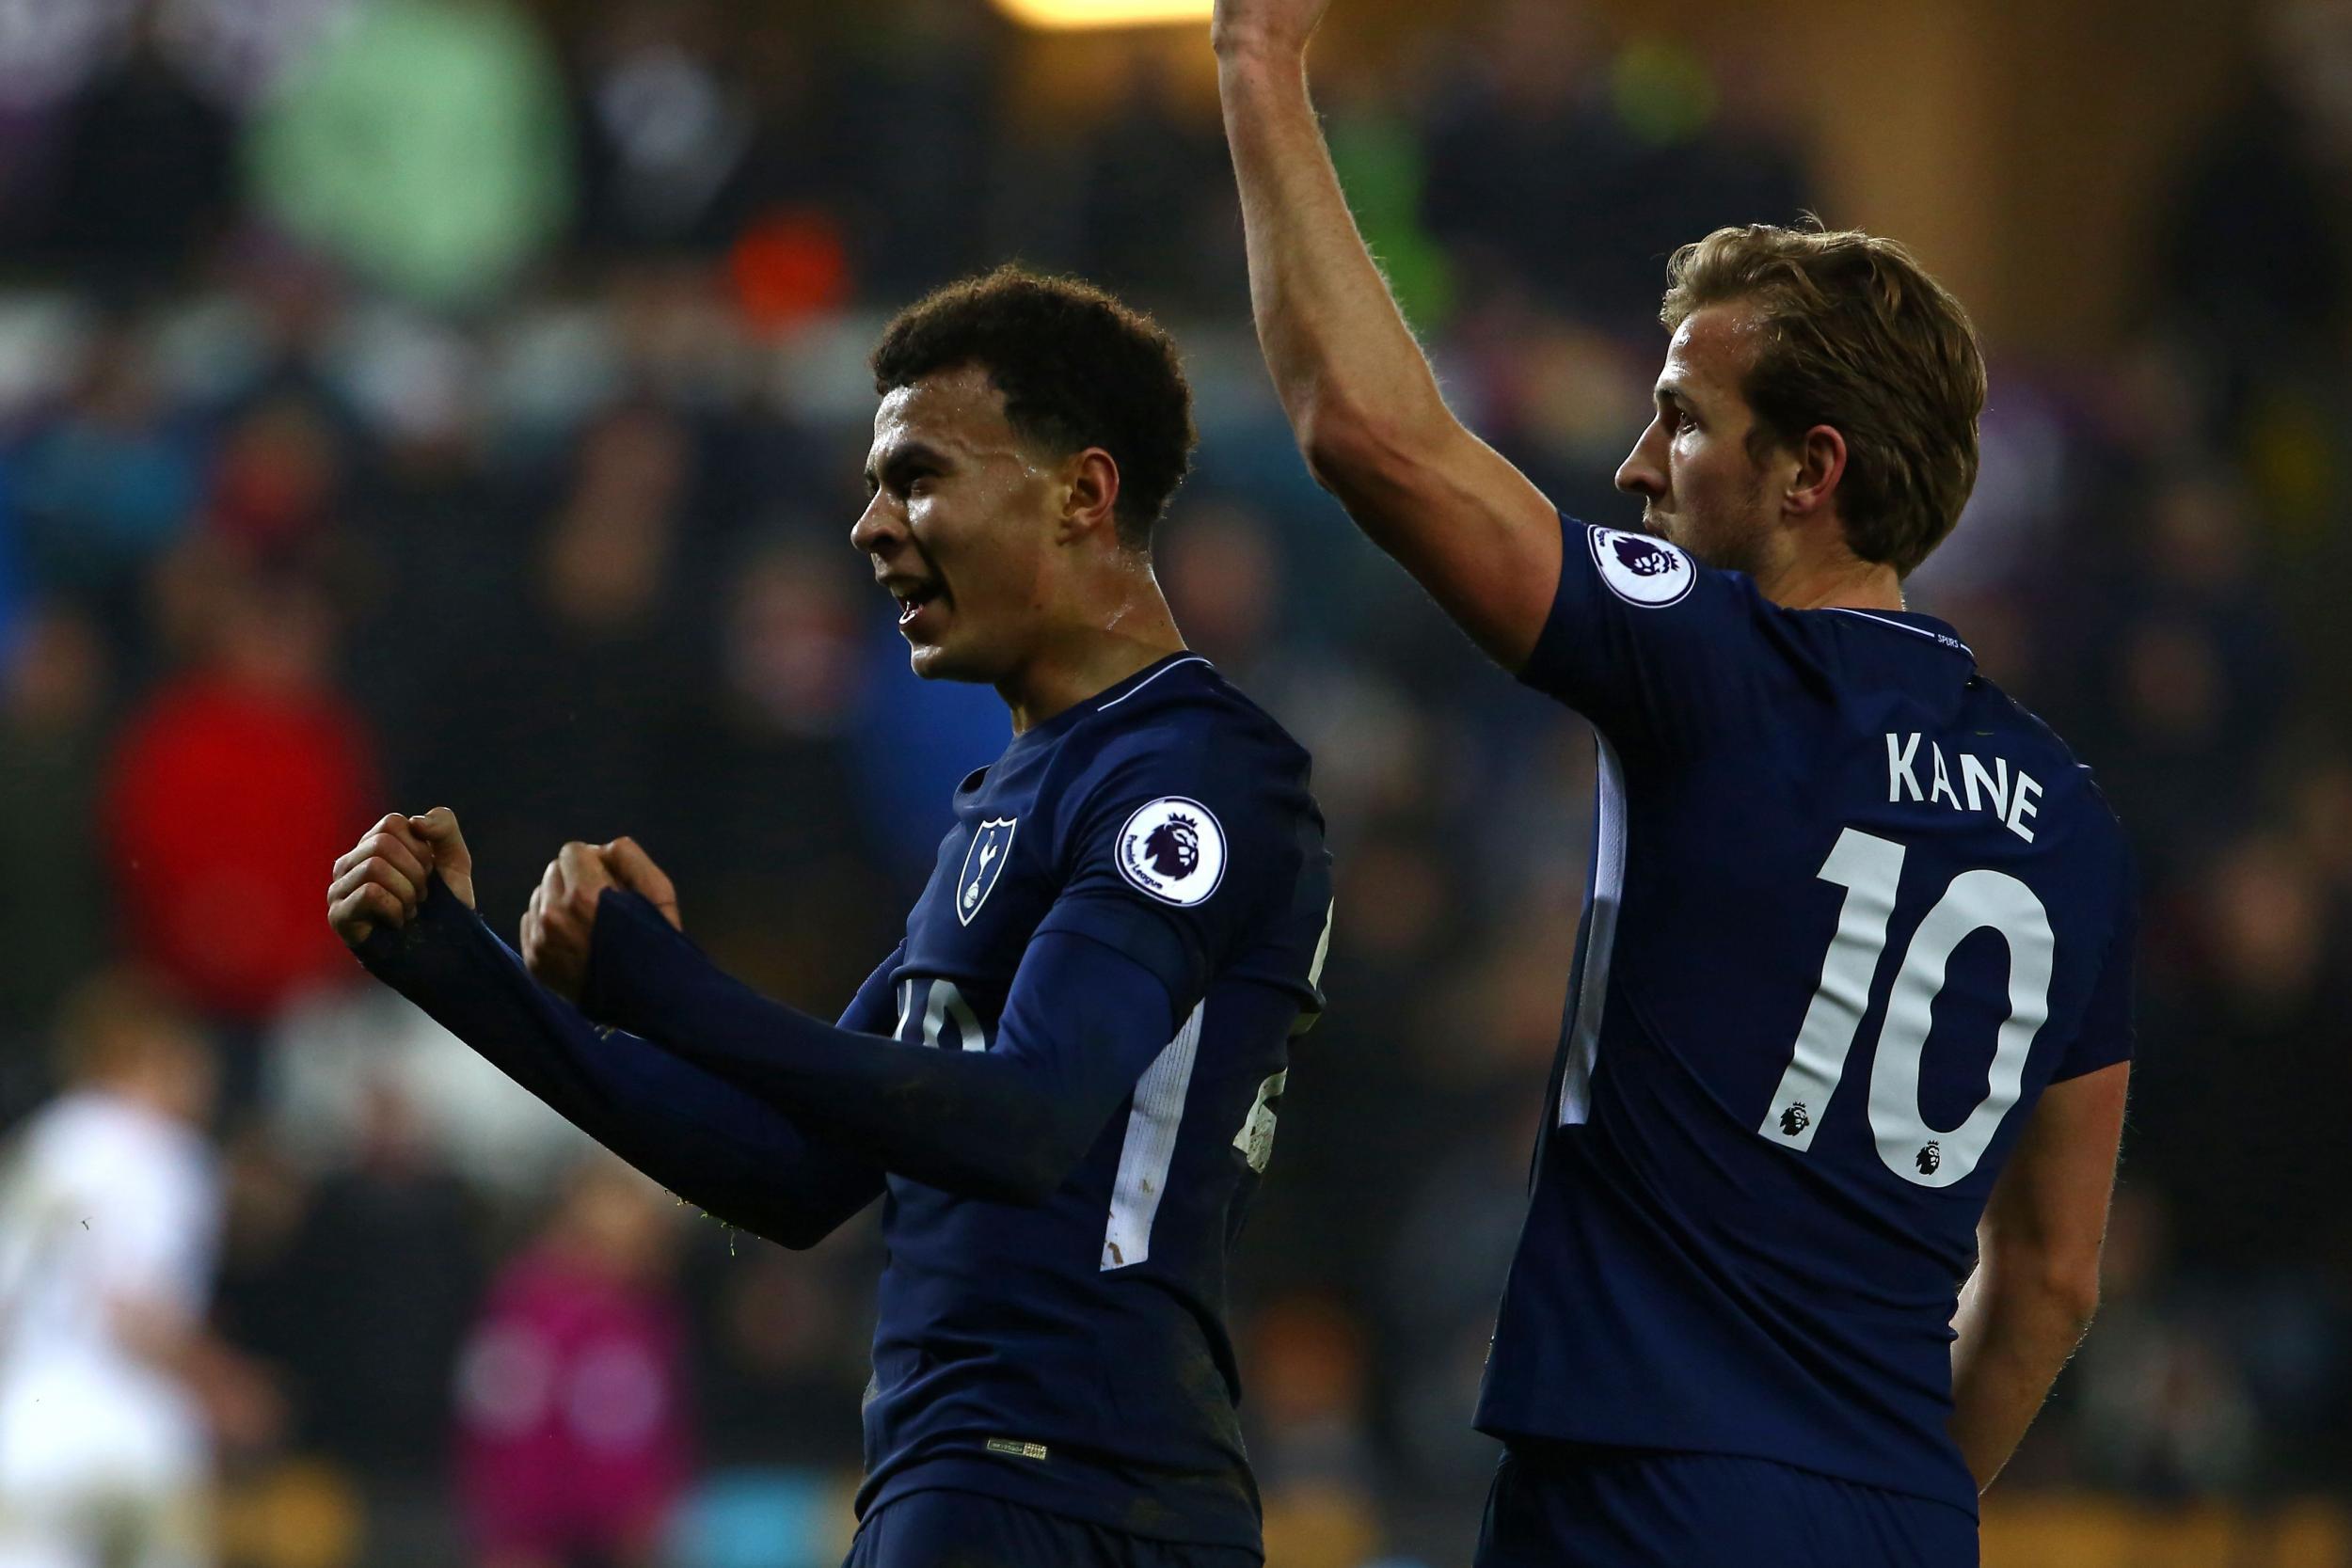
966,1530
1572,1507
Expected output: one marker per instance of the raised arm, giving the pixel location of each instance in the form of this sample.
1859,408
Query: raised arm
1359,393
2037,1280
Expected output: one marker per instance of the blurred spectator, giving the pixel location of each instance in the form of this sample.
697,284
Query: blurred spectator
1155,218
2190,675
232,789
52,922
1544,141
382,1262
1313,1454
425,145
572,1427
583,729
275,481
1224,583
145,164
2256,205
106,483
2244,1060
917,125
109,1218
2165,1412
671,131
783,1346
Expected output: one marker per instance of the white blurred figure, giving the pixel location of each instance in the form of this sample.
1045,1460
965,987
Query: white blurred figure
110,1208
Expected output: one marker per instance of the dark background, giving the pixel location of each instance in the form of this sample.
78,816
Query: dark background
449,402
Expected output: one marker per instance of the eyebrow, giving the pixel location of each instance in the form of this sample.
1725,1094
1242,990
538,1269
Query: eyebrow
904,455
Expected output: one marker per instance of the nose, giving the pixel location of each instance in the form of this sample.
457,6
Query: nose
1642,473
878,528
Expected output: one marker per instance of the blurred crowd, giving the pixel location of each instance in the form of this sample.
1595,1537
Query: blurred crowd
409,403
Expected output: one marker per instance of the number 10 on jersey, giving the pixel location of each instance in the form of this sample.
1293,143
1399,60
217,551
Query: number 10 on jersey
1871,868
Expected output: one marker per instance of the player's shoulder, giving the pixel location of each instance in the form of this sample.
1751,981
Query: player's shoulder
1647,572
1181,758
1182,719
2067,780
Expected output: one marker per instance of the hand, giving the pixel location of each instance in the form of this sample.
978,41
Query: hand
560,927
451,858
382,878
634,871
1274,28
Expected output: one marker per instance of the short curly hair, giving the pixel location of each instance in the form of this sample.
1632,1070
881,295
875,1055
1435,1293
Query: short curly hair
1858,335
1077,369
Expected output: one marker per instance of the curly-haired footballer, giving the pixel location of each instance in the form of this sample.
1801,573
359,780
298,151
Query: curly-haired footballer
1063,1083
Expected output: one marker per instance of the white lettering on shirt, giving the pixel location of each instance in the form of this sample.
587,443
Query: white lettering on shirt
2009,793
1898,774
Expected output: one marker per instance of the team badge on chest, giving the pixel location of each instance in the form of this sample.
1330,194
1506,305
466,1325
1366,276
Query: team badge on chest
1173,849
983,864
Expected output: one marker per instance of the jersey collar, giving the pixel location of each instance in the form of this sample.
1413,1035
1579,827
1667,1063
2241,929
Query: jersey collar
1108,698
1925,626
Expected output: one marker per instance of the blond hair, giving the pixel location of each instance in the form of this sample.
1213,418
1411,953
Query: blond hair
1854,335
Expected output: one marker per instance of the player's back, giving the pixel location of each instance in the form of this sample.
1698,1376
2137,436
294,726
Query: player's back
1851,909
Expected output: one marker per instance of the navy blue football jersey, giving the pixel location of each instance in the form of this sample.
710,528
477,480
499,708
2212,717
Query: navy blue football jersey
1850,910
1073,1356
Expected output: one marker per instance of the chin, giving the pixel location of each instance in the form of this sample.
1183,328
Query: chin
935,661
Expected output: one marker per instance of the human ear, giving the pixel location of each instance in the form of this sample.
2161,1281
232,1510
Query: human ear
1821,455
1091,500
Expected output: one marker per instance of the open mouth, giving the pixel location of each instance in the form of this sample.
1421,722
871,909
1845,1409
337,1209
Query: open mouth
912,596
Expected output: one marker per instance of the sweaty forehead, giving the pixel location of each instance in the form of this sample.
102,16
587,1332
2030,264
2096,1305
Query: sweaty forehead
1712,350
957,411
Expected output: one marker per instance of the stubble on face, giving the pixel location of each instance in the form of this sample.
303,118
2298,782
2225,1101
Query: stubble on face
1727,525
1722,512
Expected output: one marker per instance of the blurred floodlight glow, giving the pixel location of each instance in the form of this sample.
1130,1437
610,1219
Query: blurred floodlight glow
1068,14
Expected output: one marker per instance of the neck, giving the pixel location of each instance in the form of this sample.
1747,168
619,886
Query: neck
1846,582
1126,628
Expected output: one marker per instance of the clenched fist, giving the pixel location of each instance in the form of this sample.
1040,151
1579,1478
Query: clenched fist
561,923
381,879
1273,27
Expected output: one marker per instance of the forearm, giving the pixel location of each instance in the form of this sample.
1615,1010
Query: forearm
2014,1338
702,1138
1001,1124
1350,374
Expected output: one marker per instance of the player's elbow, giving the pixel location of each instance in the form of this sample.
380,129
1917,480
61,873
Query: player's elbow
2061,1288
1045,1165
1033,1165
1356,448
2075,1295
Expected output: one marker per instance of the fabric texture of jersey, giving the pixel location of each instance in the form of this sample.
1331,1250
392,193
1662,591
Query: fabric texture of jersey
1072,1356
1850,910
1624,1508
926,1530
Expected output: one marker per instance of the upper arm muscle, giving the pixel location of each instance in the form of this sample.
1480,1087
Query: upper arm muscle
1469,525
